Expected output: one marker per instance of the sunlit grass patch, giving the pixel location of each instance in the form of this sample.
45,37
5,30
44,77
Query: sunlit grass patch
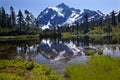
21,70
97,68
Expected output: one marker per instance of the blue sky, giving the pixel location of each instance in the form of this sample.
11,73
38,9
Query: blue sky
36,6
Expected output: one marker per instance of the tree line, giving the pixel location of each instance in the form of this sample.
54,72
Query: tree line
17,24
25,24
105,24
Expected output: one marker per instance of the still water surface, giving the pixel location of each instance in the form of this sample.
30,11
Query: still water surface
60,52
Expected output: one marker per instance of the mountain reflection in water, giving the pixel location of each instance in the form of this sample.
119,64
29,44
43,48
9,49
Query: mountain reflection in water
59,52
55,50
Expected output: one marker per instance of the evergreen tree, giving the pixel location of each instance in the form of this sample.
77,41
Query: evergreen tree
20,19
114,22
119,17
33,20
8,21
27,13
86,29
101,21
13,17
92,24
3,18
0,16
36,23
108,25
77,27
73,28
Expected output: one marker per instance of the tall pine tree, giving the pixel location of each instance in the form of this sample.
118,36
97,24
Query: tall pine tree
108,27
86,29
0,16
20,19
12,17
3,16
119,17
27,13
113,22
8,21
36,22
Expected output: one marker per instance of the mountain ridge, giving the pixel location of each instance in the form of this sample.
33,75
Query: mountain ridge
62,14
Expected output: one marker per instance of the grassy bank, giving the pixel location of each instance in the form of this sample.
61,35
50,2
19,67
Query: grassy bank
67,35
97,68
98,31
21,37
21,70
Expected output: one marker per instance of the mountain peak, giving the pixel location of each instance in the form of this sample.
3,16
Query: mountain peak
62,5
64,15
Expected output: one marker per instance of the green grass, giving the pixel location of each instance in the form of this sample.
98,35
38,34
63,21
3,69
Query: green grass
89,52
116,30
21,37
20,70
66,35
97,30
97,68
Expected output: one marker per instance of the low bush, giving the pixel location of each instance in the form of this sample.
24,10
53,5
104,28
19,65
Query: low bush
100,52
89,52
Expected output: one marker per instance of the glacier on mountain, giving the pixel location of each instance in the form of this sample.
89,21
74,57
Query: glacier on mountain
63,15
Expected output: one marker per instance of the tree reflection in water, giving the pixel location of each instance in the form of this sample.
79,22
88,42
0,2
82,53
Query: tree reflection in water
58,49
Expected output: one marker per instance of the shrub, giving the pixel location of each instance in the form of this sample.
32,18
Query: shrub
89,52
29,66
100,52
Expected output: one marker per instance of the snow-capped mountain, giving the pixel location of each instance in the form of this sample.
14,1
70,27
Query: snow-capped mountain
64,15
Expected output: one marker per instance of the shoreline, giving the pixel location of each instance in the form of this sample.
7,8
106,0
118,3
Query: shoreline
19,38
35,37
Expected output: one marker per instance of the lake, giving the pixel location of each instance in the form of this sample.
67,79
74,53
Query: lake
60,52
